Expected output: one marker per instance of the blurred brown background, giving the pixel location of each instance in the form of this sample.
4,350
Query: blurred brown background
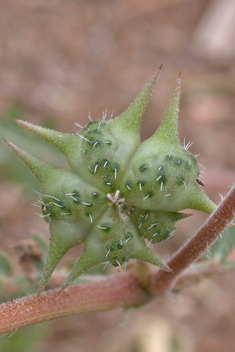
61,59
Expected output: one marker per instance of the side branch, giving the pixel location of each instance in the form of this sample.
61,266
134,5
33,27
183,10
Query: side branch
121,290
195,247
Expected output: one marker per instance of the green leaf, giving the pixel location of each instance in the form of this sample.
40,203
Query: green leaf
5,265
224,246
25,340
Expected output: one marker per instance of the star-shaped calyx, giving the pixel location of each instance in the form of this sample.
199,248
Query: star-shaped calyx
118,192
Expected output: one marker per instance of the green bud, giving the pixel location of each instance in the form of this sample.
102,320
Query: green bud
118,192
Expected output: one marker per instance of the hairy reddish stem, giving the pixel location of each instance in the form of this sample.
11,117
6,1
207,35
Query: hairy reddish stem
121,290
196,246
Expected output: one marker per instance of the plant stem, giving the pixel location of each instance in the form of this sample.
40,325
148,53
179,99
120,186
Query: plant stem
121,290
196,246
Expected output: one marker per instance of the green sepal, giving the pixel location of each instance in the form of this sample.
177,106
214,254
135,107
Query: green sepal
107,146
168,131
63,237
92,255
64,195
166,137
200,201
127,125
116,240
65,142
41,170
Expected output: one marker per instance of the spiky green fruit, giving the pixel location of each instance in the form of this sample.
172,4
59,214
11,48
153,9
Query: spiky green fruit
118,192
